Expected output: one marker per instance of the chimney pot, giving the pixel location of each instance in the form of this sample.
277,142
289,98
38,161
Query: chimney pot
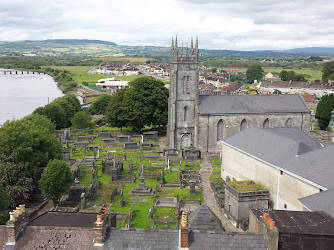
22,208
18,209
12,215
99,218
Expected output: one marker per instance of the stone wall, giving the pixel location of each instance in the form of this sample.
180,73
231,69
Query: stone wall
207,139
284,188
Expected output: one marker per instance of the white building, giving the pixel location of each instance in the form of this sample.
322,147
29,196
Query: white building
111,84
288,162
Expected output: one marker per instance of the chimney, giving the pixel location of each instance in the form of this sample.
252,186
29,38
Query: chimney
184,239
100,226
15,225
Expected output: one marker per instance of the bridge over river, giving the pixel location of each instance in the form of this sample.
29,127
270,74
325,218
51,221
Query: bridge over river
21,72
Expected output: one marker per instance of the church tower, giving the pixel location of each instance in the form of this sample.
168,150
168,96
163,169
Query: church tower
182,125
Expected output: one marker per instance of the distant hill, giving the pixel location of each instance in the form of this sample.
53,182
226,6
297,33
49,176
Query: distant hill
98,48
314,51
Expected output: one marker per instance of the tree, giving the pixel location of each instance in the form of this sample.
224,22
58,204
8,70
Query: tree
3,205
61,110
56,180
328,71
214,70
291,76
254,72
324,110
15,184
99,106
82,120
145,102
30,143
114,110
277,91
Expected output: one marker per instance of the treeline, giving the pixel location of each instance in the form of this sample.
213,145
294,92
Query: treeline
35,62
62,77
61,111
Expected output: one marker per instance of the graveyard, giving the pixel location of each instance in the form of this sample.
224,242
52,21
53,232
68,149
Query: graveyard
145,185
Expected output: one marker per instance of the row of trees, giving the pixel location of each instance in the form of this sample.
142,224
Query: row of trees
62,77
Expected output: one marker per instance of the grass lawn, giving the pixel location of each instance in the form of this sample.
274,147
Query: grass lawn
80,74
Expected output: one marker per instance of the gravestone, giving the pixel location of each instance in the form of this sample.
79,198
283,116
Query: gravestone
124,138
83,200
192,187
130,145
142,188
65,154
150,136
191,153
75,193
109,141
105,135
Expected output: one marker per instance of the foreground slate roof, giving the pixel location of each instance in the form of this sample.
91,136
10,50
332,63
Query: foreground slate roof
322,201
145,239
251,104
273,145
74,231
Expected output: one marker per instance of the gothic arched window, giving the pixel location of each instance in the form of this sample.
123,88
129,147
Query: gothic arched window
220,130
185,113
243,125
266,123
289,123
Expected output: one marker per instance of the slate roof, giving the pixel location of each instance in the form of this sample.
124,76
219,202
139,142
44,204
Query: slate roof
64,219
316,166
303,222
251,104
323,201
124,238
204,219
42,237
200,241
273,145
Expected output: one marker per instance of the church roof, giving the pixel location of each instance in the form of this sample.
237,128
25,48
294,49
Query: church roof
204,219
251,104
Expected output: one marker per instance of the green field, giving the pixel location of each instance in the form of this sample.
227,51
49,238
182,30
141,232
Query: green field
80,74
310,74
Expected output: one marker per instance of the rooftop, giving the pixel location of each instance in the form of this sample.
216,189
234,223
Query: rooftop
322,201
255,104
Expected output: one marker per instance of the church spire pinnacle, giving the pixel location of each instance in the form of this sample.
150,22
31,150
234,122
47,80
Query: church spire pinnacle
172,43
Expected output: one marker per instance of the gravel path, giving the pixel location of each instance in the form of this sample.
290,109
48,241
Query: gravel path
209,197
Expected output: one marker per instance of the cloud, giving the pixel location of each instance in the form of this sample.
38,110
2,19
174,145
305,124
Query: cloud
220,24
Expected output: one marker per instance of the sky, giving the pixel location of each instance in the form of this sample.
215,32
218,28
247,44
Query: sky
219,24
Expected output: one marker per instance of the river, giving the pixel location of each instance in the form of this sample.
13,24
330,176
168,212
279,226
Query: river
21,94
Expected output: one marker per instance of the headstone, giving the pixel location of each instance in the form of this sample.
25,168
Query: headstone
162,177
83,200
124,156
105,135
130,145
192,186
65,153
121,203
142,188
75,194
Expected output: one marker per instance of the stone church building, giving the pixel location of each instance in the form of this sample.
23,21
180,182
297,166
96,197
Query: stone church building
203,121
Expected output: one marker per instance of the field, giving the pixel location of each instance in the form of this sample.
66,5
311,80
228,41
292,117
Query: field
124,59
310,74
80,74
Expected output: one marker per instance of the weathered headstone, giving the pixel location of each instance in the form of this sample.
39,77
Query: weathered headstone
83,200
192,186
